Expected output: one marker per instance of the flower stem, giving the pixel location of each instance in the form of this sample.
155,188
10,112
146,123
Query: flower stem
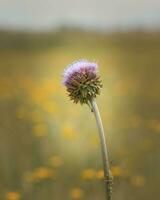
107,176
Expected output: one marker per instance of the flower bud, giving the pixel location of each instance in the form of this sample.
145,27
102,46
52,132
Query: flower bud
82,81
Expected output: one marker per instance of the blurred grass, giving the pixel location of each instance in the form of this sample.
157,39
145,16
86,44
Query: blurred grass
49,147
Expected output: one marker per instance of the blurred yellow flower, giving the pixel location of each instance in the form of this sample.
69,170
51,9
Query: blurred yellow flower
40,130
100,174
94,141
49,86
13,196
56,161
42,92
116,171
138,180
89,174
69,132
49,106
37,95
41,173
76,193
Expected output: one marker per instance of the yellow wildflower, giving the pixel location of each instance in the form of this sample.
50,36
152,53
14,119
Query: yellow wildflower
43,173
76,193
95,141
39,174
116,171
69,132
56,161
88,174
49,106
100,174
39,130
13,196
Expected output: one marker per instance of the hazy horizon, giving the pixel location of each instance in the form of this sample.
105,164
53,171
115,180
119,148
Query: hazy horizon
98,15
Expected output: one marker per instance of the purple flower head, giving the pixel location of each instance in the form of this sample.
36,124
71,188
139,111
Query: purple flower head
82,81
78,67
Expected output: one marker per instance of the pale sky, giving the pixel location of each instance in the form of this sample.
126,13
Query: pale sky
100,14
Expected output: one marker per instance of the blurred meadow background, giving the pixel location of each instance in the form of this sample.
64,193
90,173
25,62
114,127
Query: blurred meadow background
49,147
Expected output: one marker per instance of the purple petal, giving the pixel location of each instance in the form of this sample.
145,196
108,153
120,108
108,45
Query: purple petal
79,67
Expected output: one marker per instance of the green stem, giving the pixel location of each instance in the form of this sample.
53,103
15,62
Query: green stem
107,176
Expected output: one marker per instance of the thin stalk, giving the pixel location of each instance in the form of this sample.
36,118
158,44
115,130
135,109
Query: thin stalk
106,167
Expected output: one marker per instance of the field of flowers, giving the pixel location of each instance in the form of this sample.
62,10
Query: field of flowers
49,147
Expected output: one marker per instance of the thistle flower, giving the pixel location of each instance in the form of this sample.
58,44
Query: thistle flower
82,81
83,85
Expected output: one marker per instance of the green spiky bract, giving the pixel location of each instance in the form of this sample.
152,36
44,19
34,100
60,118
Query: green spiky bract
83,86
